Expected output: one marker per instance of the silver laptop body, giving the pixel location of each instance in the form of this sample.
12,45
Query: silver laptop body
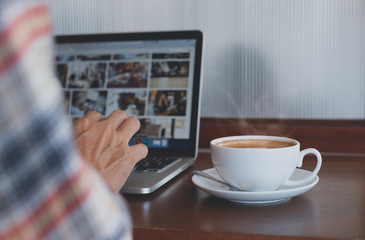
155,76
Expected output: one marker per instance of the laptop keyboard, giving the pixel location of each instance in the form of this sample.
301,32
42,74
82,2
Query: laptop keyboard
153,164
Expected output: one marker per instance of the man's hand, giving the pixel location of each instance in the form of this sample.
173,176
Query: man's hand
104,144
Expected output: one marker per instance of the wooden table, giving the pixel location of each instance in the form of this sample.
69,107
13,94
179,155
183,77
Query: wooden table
333,209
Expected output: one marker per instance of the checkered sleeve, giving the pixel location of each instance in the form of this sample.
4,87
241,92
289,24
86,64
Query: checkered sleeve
46,190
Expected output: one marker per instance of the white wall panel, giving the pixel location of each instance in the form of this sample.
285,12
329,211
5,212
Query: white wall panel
262,58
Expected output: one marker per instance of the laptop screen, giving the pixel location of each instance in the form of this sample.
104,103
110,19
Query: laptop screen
152,76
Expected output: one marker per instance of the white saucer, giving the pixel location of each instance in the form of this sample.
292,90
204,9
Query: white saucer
267,197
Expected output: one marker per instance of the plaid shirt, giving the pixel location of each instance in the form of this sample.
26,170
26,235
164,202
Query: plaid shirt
46,190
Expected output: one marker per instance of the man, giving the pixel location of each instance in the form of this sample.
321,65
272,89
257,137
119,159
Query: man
55,183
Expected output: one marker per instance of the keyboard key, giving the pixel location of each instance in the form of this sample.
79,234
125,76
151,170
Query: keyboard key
153,164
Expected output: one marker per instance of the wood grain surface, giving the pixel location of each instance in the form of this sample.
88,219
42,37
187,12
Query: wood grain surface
330,136
333,209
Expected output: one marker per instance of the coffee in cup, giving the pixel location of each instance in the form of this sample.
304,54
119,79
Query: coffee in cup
260,163
255,143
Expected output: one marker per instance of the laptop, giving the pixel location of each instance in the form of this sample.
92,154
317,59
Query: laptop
154,76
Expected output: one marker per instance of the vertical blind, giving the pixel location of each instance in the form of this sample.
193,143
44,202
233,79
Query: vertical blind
262,58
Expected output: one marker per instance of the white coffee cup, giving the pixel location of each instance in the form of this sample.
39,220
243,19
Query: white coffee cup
260,166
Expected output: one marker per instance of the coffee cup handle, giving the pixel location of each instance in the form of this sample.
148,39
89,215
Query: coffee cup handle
294,183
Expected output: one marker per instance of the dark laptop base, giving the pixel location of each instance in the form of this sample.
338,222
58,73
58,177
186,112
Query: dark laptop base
144,183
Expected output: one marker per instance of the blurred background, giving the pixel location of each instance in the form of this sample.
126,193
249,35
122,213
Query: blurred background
285,59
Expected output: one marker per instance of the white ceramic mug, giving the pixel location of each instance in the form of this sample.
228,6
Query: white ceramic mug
260,168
